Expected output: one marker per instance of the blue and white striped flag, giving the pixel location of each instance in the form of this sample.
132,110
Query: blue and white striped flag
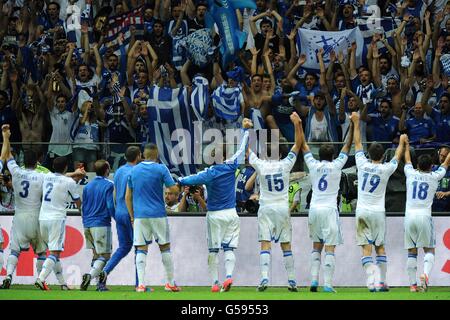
121,24
168,110
200,97
370,26
226,102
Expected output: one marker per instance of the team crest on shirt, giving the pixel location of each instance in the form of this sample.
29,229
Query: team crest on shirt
291,156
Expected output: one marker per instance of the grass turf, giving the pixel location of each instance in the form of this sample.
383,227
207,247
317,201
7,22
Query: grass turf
29,292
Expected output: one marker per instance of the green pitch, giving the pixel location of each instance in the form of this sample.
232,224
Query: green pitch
28,292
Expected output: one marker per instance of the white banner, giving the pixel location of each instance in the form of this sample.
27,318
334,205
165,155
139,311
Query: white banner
188,236
310,41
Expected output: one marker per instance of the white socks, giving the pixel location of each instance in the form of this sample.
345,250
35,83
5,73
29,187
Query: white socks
264,263
1,258
289,264
59,272
166,258
230,261
315,265
141,262
382,265
411,266
47,268
12,262
97,267
428,262
213,265
328,269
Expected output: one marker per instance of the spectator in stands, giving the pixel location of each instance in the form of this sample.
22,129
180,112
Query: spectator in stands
441,202
420,130
161,43
193,199
87,134
197,20
242,192
171,200
383,125
6,192
441,118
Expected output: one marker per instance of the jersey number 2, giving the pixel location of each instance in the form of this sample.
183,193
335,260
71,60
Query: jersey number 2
49,188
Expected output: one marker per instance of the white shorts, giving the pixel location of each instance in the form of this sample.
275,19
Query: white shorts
147,229
25,231
53,233
99,239
324,226
274,224
419,232
223,227
370,227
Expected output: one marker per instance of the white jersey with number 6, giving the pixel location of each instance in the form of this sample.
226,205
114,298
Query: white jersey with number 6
27,185
325,178
273,178
57,191
372,182
420,189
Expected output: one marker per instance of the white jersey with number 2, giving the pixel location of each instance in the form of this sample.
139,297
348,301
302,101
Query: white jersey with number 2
325,178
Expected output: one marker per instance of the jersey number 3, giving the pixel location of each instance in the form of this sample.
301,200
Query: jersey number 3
278,183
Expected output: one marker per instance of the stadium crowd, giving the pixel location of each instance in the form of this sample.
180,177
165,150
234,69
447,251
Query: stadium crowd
66,82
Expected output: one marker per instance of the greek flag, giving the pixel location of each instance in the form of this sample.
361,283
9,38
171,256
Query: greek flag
168,110
226,102
370,26
310,41
200,97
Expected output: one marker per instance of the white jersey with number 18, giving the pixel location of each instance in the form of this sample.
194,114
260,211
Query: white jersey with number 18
420,189
325,179
273,178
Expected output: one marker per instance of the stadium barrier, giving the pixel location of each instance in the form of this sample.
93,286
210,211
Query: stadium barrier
189,249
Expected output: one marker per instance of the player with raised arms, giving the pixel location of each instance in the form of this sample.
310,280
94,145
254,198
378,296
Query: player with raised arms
274,220
221,218
421,186
373,176
323,217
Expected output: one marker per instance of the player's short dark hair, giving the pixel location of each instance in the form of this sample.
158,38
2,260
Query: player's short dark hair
132,153
61,95
326,152
150,151
29,158
266,21
60,164
257,75
376,151
54,3
100,167
312,74
424,162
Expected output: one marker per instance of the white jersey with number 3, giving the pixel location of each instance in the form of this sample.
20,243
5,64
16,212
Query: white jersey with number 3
27,185
57,191
325,179
372,182
273,178
420,189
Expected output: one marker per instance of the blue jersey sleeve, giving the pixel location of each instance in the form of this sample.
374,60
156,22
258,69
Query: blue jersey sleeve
239,156
110,200
203,177
129,182
168,180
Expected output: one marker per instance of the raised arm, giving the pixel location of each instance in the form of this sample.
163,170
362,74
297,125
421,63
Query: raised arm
295,119
407,152
6,147
356,131
401,147
293,72
349,141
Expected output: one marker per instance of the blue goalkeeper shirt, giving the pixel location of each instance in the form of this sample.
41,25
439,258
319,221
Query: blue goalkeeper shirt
146,181
98,203
220,180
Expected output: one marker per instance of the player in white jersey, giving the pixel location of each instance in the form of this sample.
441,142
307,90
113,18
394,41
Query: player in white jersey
27,185
323,217
373,176
274,220
56,192
421,186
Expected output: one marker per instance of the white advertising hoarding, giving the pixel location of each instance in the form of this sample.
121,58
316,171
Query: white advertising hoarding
188,237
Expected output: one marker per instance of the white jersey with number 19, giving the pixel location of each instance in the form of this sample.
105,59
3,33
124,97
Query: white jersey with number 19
325,179
57,191
372,182
420,189
273,178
